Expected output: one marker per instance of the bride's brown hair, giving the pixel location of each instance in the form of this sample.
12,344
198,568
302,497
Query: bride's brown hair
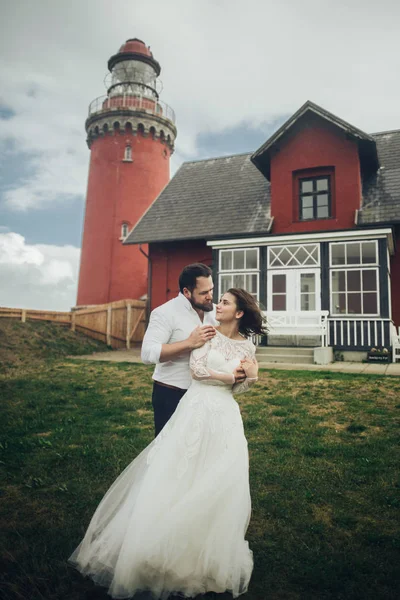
253,320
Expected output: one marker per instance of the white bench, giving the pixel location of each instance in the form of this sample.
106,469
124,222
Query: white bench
306,323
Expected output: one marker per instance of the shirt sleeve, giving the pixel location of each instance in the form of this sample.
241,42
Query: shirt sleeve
240,388
158,333
200,371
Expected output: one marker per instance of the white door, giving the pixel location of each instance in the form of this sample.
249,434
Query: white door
294,290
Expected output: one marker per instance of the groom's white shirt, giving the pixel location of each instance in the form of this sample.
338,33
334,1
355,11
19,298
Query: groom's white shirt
172,322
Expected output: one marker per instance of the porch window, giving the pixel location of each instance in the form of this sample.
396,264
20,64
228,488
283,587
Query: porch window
304,255
354,291
354,278
239,268
354,253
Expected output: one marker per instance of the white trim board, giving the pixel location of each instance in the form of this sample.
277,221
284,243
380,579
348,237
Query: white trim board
332,236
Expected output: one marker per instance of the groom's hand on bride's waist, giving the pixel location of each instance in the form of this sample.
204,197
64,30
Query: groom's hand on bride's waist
200,335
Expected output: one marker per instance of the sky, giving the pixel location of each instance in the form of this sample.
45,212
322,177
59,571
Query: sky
233,72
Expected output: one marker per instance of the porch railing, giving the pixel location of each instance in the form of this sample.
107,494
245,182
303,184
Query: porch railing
395,343
359,332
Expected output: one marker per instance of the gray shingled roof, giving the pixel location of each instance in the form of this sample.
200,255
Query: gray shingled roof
228,196
208,198
381,191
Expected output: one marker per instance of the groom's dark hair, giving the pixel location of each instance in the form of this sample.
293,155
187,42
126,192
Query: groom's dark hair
189,275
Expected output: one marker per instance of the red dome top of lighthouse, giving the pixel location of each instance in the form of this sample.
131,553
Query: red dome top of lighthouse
134,49
137,46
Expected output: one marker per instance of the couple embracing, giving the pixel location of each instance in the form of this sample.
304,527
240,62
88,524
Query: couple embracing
174,521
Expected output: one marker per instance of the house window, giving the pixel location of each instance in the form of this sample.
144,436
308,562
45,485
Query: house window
305,255
239,268
354,253
124,230
354,292
354,286
128,153
315,197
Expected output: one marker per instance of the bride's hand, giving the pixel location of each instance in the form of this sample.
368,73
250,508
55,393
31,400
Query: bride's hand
250,367
239,374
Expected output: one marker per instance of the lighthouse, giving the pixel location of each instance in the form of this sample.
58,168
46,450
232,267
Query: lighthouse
131,134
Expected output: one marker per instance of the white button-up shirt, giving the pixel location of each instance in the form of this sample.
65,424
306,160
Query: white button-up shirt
172,322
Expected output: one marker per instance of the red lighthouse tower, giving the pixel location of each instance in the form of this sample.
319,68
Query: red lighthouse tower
131,135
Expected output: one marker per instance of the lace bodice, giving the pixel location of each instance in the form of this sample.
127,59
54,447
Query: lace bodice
214,363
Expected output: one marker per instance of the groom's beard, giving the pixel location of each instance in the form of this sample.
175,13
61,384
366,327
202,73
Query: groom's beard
207,307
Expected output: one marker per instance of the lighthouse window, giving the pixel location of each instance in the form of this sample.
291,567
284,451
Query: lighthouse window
128,153
124,230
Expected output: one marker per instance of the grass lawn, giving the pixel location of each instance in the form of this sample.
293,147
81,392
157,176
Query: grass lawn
324,476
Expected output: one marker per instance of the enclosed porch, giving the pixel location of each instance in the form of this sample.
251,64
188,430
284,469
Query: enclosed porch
325,290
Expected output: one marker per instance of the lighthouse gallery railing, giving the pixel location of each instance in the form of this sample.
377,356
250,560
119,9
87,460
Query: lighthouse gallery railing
132,101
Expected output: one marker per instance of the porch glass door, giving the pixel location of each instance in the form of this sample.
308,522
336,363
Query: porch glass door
296,290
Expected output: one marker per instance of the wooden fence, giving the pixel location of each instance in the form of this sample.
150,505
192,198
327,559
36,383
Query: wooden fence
117,324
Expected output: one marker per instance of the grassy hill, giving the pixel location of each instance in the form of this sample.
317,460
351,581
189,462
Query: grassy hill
33,342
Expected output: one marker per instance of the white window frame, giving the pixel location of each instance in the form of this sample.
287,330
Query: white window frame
288,247
360,268
245,271
354,265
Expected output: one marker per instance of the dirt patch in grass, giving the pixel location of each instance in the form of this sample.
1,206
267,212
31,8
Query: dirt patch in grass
371,430
141,412
264,378
323,514
319,410
332,424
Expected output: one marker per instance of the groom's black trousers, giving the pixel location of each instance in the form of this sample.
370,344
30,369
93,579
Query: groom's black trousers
165,399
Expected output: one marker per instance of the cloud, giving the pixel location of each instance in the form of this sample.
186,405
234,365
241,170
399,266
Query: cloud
13,251
37,276
48,144
224,62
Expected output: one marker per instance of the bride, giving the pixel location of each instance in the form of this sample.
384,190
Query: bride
174,521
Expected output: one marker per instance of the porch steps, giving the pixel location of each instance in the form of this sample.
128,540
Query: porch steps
280,354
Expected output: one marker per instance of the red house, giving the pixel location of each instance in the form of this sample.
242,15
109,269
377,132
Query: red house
309,224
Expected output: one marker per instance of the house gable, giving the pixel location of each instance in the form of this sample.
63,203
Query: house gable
315,149
316,163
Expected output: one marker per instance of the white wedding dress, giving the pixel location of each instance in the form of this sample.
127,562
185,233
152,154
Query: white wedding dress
176,517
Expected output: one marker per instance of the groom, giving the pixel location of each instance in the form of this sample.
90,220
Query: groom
175,329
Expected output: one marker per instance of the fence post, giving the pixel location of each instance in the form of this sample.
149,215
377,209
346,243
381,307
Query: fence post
73,321
109,309
23,315
128,325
